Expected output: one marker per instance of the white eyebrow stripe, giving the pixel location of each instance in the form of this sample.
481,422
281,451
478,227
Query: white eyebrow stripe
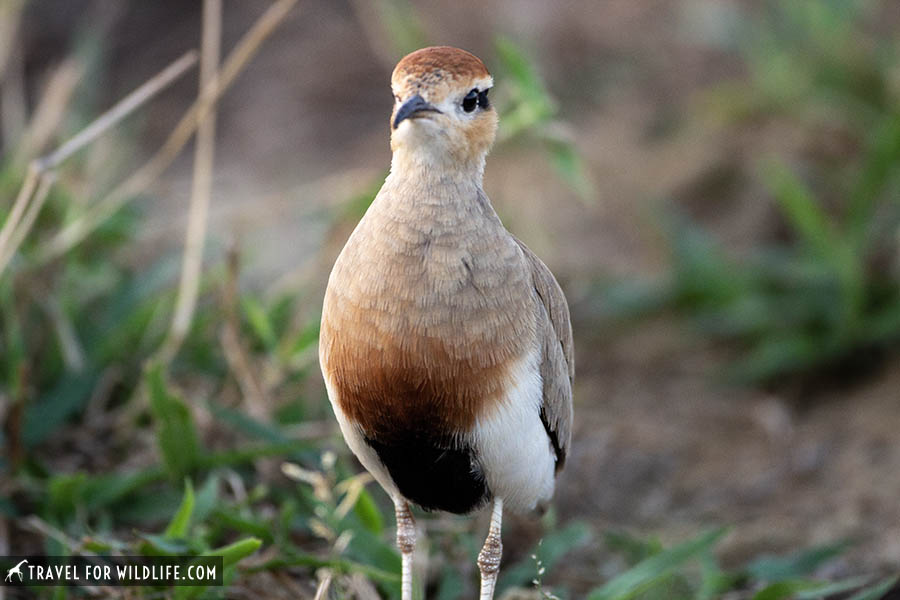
484,83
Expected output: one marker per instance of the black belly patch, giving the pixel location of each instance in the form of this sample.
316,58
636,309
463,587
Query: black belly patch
434,478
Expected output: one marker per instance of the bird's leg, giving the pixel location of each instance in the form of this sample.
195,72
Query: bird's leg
406,542
489,557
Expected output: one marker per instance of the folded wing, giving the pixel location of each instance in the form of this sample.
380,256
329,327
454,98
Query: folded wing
554,329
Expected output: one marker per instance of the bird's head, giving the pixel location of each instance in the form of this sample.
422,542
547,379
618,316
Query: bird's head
442,117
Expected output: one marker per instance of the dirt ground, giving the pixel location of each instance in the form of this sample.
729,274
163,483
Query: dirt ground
660,447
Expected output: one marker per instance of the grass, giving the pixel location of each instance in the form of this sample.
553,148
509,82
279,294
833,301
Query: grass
826,298
658,572
224,444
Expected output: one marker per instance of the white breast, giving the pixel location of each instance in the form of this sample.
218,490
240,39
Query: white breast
512,444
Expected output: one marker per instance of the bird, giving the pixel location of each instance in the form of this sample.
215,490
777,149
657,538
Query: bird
445,343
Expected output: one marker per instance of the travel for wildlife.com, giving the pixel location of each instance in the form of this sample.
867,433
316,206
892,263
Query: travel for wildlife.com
111,570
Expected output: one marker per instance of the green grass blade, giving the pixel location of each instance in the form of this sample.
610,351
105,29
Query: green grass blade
530,105
234,520
713,580
571,167
207,498
519,68
785,589
368,513
798,564
233,553
178,526
831,589
161,545
246,424
800,208
651,570
175,431
259,321
880,164
632,548
56,406
877,591
105,490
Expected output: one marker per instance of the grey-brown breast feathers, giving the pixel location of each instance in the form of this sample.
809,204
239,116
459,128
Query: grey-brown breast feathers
554,329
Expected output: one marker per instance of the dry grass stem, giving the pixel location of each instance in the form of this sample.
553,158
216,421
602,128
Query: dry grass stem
41,170
236,355
322,591
120,110
240,366
51,110
18,207
13,100
10,17
8,250
141,179
362,588
353,487
201,189
38,525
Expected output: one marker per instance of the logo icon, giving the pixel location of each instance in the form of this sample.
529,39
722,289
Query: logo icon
15,571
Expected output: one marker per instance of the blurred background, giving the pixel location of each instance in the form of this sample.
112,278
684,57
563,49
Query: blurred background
714,183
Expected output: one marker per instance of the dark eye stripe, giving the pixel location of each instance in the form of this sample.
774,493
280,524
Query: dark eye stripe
483,99
470,101
476,99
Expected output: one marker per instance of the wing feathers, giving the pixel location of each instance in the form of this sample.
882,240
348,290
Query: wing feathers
557,356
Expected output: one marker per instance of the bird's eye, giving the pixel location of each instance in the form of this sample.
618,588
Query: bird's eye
483,99
470,101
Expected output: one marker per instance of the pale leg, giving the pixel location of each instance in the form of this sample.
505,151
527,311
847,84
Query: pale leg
406,542
489,557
